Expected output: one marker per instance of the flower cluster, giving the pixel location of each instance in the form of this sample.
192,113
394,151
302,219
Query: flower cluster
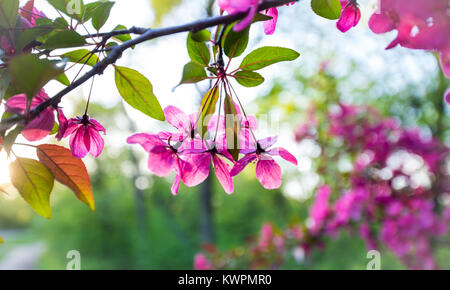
189,154
391,203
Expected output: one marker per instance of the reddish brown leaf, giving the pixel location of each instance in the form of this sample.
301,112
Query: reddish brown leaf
68,170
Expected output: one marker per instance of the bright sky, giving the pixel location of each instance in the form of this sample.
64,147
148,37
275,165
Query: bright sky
316,38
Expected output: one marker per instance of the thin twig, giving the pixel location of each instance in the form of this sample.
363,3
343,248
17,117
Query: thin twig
117,51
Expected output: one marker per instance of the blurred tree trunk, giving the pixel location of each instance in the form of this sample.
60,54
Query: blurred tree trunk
206,211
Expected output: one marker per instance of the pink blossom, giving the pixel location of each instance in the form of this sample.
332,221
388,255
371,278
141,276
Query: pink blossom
85,136
350,15
41,126
320,210
268,172
202,263
205,152
164,157
236,6
271,25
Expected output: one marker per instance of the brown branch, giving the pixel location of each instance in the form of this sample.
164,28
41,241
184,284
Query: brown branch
116,52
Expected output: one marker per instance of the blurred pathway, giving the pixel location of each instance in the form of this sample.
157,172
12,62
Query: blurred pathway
20,257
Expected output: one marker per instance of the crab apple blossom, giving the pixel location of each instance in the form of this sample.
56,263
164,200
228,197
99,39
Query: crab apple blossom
268,172
85,136
164,157
210,151
41,126
350,15
447,97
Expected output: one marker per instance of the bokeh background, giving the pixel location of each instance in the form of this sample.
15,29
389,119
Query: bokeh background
138,224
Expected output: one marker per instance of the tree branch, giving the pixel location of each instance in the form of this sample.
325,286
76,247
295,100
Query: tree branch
116,52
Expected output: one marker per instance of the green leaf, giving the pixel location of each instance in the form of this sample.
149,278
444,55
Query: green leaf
330,9
198,51
249,78
266,56
123,37
259,17
82,56
235,43
64,39
73,9
8,13
100,12
201,36
62,78
232,128
137,91
193,73
207,107
4,83
11,137
34,182
30,74
32,34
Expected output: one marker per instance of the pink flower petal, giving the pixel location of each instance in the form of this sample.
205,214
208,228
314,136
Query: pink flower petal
63,124
147,141
268,142
247,20
268,173
76,142
199,170
349,18
177,118
176,184
96,142
40,127
381,23
241,164
223,174
283,153
270,25
161,161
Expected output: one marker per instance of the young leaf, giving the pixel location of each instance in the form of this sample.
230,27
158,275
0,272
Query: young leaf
4,83
100,13
73,9
235,43
8,13
330,9
232,128
64,39
32,34
201,36
30,73
193,73
208,107
82,56
198,51
137,91
11,137
34,182
267,55
123,37
68,170
62,78
249,78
